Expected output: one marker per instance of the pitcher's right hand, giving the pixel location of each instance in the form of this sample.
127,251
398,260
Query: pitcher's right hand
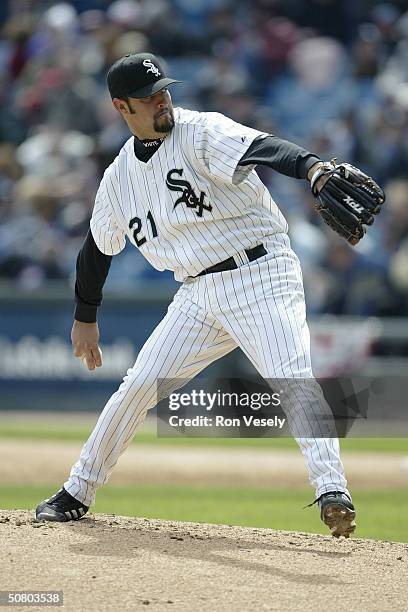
85,342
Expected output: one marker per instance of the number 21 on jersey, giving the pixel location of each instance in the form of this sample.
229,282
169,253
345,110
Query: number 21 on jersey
137,232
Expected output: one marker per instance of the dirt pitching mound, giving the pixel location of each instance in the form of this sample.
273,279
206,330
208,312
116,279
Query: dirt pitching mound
108,562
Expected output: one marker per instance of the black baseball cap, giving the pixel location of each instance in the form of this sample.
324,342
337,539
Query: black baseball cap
137,76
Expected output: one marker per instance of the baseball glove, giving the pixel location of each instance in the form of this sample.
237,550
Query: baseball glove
347,199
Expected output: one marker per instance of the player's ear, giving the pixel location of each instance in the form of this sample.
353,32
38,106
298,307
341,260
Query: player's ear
122,106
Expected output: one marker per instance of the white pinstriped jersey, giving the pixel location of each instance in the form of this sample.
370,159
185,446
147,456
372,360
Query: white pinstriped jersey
190,206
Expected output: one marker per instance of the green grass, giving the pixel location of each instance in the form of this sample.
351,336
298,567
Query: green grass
381,514
39,431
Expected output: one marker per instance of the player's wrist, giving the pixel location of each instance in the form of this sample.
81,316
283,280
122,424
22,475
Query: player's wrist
85,313
313,168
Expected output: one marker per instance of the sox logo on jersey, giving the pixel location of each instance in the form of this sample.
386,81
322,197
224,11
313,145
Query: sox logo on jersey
188,197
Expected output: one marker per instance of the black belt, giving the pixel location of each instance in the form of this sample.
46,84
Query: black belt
230,263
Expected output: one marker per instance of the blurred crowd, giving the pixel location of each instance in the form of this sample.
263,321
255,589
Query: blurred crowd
331,76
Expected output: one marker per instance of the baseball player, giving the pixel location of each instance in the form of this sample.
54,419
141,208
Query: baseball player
183,190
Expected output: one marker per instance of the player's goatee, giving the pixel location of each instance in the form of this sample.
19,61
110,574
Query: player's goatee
163,125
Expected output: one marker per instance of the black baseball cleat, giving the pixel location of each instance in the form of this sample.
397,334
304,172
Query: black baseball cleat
61,507
338,513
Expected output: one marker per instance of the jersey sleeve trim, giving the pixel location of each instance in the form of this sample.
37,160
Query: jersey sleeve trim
220,144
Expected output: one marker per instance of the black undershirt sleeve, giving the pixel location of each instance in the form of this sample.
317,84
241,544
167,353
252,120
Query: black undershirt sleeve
92,269
281,155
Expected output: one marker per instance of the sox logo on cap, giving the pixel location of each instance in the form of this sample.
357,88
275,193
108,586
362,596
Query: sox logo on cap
151,67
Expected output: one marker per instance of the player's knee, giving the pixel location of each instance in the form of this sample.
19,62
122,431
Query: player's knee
141,383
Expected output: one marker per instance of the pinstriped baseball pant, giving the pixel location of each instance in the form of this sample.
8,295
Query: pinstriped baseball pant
259,307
